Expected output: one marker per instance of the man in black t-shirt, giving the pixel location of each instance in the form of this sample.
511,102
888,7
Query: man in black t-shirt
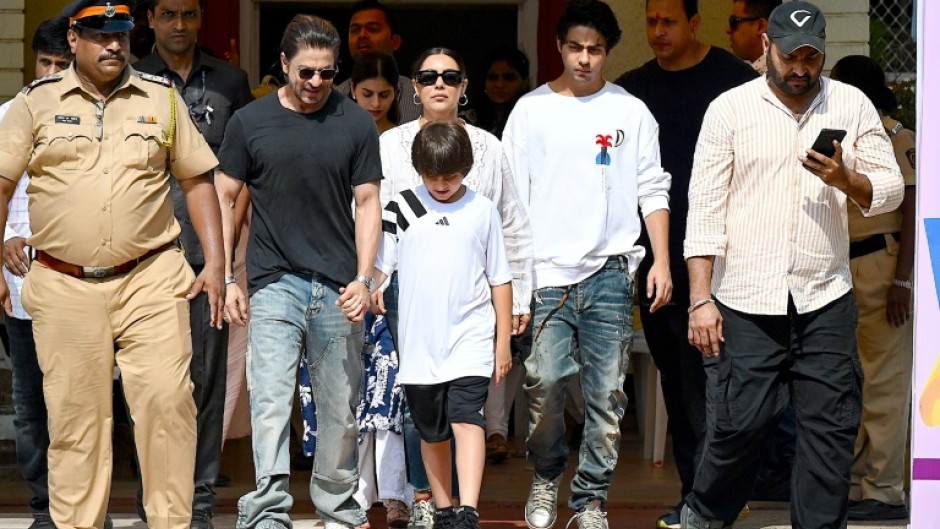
677,86
305,153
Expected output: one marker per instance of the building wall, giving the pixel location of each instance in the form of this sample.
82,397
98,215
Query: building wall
847,23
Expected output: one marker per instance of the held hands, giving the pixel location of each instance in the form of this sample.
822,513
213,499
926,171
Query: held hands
236,305
211,282
503,363
354,301
14,256
705,330
520,322
830,170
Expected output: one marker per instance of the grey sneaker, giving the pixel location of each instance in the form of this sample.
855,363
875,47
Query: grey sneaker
422,515
590,517
691,520
541,508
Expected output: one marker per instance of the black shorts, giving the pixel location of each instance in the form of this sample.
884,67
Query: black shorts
434,407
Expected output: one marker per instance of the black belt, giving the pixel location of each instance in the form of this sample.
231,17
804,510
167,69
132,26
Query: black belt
871,244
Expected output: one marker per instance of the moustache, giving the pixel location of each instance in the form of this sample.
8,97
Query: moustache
112,57
805,78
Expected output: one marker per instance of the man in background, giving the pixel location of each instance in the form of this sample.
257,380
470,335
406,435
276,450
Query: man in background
212,90
748,21
677,86
372,28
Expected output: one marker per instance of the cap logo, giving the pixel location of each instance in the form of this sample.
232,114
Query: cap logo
800,22
109,10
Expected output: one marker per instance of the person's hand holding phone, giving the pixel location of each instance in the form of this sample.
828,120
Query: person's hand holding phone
824,159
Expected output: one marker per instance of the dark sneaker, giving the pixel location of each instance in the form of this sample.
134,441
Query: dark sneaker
445,518
42,521
691,520
670,520
869,510
468,518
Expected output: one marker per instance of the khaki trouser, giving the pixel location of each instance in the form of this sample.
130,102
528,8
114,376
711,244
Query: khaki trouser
82,327
886,353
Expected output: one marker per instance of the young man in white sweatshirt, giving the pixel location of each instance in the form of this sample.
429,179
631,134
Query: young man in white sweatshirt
585,156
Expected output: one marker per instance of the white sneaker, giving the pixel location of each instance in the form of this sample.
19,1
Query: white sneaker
590,517
541,508
422,515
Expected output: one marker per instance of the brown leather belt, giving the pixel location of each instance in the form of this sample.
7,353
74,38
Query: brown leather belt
96,272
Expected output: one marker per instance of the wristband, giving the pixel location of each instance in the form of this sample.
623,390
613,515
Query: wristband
903,284
700,303
230,280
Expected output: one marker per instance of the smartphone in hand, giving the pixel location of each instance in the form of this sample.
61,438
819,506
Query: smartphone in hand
823,144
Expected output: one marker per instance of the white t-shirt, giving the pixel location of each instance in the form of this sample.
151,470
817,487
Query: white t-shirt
489,177
448,256
583,167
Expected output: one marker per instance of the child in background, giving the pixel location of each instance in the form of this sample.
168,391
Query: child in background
454,289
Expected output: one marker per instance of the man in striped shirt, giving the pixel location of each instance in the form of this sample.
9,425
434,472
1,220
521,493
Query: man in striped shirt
767,249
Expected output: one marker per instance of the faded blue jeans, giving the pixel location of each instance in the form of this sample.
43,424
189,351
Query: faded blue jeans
295,315
588,328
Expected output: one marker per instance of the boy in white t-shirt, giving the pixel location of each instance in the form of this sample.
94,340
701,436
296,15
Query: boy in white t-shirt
454,288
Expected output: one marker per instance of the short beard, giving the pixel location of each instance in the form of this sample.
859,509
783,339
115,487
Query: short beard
781,83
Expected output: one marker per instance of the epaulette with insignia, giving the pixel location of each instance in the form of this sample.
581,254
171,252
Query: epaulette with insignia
155,79
42,80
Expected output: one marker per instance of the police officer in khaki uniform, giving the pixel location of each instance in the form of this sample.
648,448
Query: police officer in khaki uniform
109,284
882,261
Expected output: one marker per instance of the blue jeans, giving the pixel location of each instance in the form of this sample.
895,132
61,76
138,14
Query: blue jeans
294,315
588,328
30,423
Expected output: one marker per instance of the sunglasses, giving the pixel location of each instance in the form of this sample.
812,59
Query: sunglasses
734,22
429,77
326,74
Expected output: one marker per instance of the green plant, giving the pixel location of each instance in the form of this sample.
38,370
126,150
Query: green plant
906,93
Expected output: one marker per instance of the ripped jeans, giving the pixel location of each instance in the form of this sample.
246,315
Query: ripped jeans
586,327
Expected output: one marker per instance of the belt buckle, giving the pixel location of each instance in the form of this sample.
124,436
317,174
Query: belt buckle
98,272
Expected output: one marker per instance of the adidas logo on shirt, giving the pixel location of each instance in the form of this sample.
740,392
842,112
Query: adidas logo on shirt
442,222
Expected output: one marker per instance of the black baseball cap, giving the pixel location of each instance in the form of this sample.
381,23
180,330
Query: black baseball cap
105,16
793,25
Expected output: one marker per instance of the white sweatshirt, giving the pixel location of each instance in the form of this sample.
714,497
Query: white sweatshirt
584,166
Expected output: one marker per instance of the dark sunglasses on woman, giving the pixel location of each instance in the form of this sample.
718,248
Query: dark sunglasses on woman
429,77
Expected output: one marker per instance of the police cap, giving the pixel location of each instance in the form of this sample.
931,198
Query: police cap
105,16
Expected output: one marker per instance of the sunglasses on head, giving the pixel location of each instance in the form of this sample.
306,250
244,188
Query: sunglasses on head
429,77
734,22
326,74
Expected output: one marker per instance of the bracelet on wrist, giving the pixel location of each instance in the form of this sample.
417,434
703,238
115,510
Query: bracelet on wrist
903,284
700,303
230,280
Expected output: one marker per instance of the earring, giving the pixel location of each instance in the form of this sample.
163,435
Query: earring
463,100
414,99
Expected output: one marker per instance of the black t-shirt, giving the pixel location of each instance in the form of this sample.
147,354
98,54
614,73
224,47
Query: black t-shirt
678,100
301,170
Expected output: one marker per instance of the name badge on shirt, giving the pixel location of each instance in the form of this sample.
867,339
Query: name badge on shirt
68,120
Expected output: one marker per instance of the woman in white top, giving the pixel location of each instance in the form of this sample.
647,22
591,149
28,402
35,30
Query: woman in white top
440,83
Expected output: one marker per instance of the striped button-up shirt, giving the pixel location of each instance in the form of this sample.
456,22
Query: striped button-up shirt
775,229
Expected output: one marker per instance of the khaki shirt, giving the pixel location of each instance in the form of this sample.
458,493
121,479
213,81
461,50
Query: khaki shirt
99,194
904,144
